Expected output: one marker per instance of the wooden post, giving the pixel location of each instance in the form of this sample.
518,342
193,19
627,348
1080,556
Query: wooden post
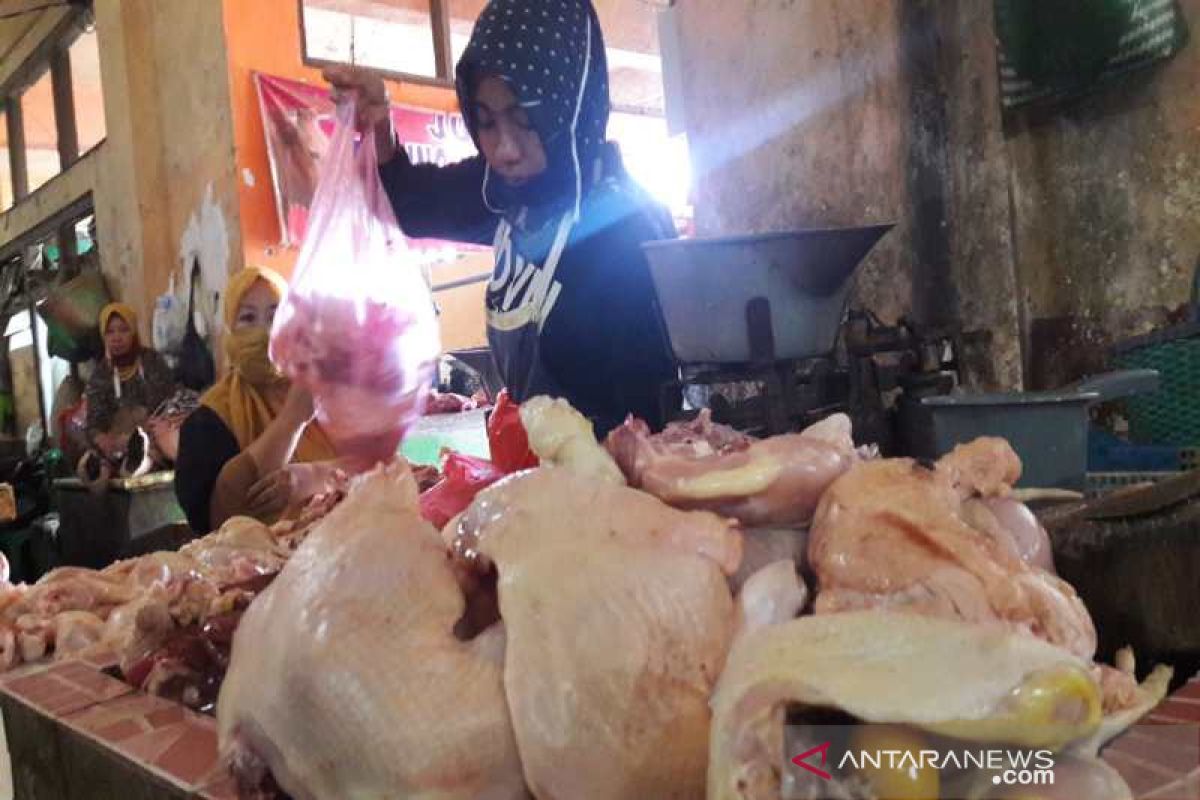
64,107
43,411
16,148
443,52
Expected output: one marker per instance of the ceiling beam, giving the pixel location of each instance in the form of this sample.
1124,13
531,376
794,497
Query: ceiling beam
22,65
12,8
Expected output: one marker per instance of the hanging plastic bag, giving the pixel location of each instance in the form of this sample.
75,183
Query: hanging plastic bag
357,327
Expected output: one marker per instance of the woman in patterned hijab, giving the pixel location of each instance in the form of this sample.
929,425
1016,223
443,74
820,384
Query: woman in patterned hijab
571,308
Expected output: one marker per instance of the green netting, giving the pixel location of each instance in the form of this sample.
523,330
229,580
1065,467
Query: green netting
1052,49
1171,415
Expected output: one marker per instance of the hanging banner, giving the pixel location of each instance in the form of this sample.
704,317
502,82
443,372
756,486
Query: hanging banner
298,119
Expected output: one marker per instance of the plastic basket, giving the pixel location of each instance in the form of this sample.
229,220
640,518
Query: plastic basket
1100,483
1171,415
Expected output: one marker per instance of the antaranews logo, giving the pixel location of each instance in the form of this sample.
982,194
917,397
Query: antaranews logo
802,760
1009,767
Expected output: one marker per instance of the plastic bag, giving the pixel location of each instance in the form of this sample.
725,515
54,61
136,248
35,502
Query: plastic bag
169,324
73,437
197,370
166,422
463,477
357,327
506,436
72,315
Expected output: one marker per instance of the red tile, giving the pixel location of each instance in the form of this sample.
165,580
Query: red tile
1182,710
1187,789
132,707
88,679
1168,717
148,747
192,756
222,788
1142,778
1191,689
83,676
1174,748
22,671
58,692
166,716
119,731
37,687
102,659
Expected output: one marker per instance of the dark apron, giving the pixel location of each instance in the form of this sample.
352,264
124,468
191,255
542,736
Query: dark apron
514,336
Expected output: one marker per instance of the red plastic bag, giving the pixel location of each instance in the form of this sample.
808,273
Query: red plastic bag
463,477
357,327
506,436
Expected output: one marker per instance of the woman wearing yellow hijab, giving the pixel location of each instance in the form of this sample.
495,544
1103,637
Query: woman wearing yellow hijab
251,448
126,386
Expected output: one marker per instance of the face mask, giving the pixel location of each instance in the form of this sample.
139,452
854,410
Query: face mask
248,353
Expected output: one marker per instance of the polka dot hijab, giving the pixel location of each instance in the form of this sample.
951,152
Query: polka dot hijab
551,54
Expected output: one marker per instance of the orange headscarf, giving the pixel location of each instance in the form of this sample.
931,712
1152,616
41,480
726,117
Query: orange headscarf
240,398
123,371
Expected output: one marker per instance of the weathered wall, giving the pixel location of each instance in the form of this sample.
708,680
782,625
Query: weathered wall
130,183
1107,212
800,129
860,111
165,188
196,120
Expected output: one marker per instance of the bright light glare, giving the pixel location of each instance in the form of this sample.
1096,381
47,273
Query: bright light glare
656,160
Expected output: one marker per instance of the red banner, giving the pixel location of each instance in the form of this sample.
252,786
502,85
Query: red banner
298,119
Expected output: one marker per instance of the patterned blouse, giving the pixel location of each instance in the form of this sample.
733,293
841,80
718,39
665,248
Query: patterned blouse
148,388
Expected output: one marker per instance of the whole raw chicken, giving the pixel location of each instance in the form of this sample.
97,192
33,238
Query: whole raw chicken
619,617
702,465
893,534
347,680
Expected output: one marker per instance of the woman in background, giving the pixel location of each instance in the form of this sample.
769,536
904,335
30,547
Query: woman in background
252,448
126,387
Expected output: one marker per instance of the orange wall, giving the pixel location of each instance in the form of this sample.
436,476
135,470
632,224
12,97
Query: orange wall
264,36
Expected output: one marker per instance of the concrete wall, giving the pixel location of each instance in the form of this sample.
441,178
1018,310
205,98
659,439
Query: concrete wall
1107,212
162,182
168,192
802,127
843,113
856,111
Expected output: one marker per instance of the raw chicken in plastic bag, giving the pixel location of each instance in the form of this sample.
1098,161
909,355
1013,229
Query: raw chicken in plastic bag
357,327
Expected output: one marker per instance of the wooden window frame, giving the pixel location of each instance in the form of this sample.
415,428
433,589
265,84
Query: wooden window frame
443,52
52,55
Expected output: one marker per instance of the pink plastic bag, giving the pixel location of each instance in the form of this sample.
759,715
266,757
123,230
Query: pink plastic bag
357,327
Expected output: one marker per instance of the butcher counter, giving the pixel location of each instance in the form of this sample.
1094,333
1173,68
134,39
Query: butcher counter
126,518
76,732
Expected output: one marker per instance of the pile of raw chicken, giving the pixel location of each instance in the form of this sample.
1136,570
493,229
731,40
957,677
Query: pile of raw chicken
564,634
